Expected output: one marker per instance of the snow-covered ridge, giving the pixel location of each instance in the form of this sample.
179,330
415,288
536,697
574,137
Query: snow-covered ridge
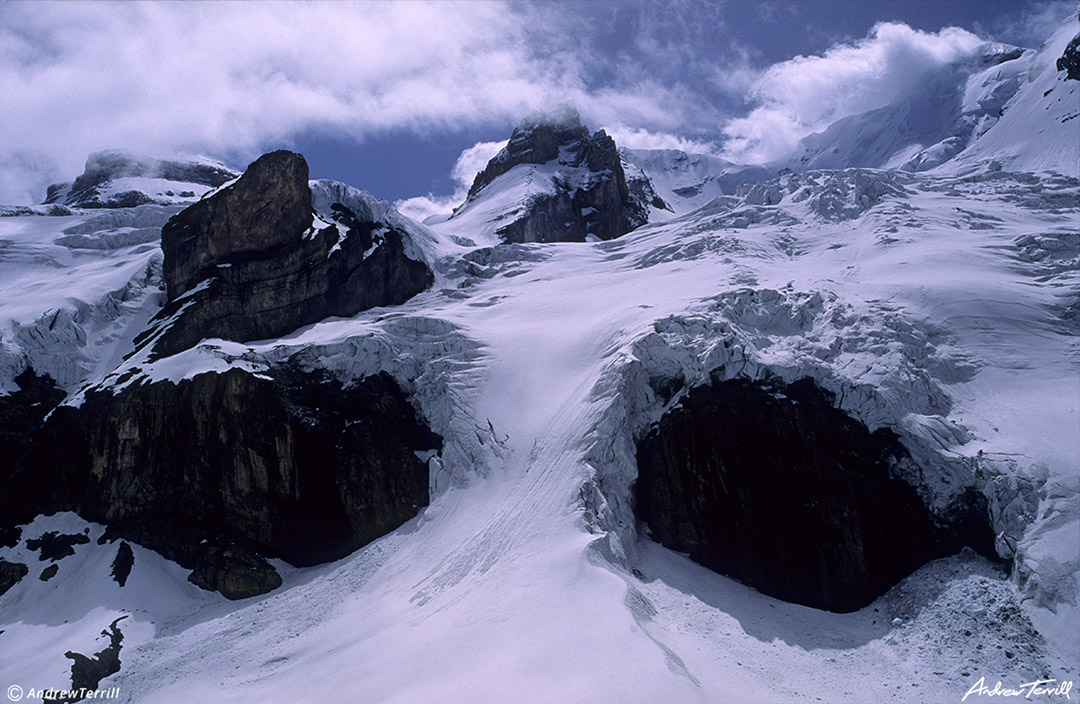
419,245
1037,128
940,304
688,181
114,179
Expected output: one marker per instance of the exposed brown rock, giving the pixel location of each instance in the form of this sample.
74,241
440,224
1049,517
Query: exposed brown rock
245,263
11,573
266,209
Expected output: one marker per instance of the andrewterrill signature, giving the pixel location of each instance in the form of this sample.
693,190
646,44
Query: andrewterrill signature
1052,688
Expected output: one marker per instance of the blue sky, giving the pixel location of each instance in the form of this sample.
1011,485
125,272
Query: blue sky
388,96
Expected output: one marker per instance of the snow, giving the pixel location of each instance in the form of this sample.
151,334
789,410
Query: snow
75,290
419,241
160,189
1036,131
940,304
504,201
46,619
689,181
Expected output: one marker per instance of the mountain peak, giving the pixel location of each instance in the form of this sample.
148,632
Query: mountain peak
567,185
117,179
562,117
538,139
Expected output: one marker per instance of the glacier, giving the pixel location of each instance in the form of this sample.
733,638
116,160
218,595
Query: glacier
942,303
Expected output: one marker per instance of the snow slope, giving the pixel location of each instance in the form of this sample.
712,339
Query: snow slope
1037,129
75,290
955,104
688,181
942,304
934,305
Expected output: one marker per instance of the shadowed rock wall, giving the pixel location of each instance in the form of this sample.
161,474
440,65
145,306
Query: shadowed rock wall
221,469
770,484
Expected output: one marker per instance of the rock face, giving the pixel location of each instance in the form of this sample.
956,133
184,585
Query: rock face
101,185
246,263
21,414
265,211
122,564
222,469
1069,61
589,195
770,484
11,573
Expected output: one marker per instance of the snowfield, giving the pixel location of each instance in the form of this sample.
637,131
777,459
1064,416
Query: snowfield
936,306
943,305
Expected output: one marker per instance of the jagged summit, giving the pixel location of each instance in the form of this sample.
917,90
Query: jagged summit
811,381
557,182
538,139
116,179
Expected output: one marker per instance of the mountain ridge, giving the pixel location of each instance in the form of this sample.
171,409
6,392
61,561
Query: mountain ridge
929,314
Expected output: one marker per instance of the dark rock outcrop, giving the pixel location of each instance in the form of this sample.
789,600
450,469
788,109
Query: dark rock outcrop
246,263
122,564
91,188
591,194
772,485
87,672
234,571
21,414
9,536
11,573
266,211
1069,61
55,545
222,469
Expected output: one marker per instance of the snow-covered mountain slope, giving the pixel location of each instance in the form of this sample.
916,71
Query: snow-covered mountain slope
75,290
923,129
1006,104
1037,129
941,307
114,179
688,181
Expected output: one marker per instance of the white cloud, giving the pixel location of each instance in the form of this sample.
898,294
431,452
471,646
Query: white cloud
232,79
473,160
217,77
806,94
468,164
639,138
1035,23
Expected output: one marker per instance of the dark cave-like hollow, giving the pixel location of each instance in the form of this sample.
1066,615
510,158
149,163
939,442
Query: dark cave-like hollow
769,483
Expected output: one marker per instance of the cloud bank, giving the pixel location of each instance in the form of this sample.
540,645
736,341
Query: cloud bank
231,79
808,93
